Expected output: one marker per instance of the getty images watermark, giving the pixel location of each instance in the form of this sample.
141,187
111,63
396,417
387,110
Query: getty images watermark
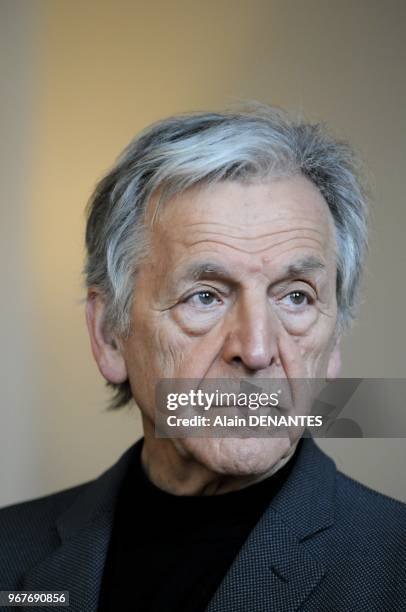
344,408
205,401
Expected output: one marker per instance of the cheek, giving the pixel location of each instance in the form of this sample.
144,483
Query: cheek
299,324
197,323
189,356
301,331
175,353
187,342
315,348
170,351
157,351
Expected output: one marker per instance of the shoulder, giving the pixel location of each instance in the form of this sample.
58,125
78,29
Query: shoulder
369,539
362,550
33,530
28,532
36,512
39,514
367,531
361,502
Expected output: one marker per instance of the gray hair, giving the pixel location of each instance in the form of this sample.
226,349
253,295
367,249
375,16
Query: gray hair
203,148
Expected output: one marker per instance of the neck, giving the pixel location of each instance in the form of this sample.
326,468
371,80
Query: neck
174,470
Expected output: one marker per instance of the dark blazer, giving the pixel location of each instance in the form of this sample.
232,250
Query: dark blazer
326,543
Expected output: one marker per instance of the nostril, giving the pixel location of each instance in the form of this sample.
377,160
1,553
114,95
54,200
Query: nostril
236,360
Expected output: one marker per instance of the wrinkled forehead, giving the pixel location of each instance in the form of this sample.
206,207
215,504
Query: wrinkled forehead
249,217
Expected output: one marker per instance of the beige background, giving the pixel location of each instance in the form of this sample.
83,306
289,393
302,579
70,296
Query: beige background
79,80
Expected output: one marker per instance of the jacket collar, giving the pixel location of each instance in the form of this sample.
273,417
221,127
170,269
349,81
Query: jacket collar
273,571
84,529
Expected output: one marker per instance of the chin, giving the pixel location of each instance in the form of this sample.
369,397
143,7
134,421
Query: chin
238,456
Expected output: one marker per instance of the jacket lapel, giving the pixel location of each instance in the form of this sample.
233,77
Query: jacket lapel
274,571
84,529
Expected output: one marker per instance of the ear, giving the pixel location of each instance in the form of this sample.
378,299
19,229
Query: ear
334,362
105,346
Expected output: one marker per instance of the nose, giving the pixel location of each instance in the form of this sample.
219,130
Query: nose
251,335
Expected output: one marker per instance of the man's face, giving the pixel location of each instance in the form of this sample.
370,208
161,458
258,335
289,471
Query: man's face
240,282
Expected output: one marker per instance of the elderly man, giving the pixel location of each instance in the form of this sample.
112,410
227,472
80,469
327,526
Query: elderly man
220,246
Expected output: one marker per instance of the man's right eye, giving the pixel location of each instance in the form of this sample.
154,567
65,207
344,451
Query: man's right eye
203,299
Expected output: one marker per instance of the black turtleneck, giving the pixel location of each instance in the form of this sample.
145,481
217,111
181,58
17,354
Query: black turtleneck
170,553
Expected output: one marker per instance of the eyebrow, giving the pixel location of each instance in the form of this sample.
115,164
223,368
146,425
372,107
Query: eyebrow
304,266
210,270
205,270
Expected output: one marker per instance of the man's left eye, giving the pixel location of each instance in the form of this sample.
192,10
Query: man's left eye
296,298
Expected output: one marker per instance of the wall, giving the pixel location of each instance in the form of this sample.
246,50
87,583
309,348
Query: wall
84,77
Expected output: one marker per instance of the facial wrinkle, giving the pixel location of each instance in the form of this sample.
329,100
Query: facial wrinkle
276,221
264,235
270,248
